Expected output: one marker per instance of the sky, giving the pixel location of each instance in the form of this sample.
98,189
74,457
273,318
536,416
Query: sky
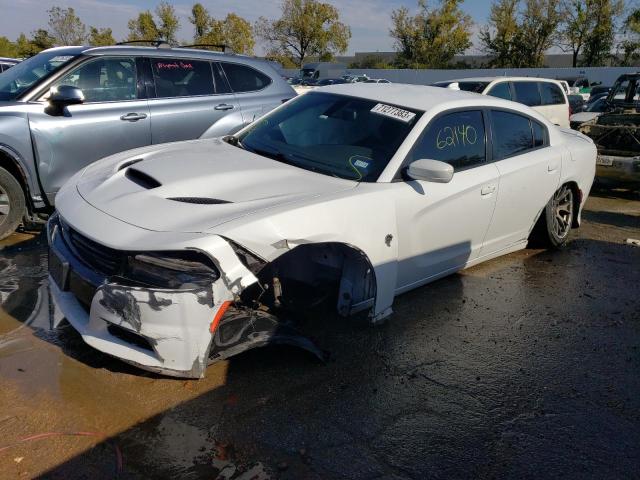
369,19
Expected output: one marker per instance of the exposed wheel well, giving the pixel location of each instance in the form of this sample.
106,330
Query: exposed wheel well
577,199
315,273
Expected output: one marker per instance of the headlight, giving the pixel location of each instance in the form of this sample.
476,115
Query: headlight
172,270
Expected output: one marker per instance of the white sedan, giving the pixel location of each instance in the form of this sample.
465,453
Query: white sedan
174,256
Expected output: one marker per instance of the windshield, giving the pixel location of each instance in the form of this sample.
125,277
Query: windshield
307,72
346,137
599,105
476,87
20,78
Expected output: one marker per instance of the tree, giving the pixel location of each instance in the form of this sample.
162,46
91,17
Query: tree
600,40
143,27
101,37
519,37
169,23
28,47
234,31
66,27
433,36
306,27
8,48
504,23
577,25
201,21
631,42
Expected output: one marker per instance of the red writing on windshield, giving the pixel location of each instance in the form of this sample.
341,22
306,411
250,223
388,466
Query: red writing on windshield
174,66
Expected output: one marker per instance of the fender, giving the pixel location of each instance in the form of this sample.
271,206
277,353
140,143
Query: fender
15,165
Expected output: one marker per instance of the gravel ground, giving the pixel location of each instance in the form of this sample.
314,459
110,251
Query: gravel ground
523,367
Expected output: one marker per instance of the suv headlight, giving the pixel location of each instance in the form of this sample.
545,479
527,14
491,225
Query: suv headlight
171,270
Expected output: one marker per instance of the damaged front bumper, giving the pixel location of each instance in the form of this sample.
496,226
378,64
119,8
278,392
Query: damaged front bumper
174,332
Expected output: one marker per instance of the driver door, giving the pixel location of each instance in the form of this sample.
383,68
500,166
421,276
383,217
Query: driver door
442,226
114,117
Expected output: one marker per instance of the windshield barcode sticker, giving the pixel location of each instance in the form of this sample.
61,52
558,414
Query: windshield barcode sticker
393,112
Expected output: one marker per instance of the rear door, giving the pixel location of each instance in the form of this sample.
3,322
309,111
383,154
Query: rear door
191,97
529,174
114,117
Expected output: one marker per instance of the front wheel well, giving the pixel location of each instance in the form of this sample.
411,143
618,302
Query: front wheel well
317,273
10,165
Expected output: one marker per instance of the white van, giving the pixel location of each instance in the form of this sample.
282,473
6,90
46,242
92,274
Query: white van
542,94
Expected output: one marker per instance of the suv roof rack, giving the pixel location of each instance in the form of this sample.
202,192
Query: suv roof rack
223,48
155,43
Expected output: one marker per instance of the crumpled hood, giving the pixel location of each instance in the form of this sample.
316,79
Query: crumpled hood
194,186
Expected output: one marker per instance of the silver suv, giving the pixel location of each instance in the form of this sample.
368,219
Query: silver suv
67,107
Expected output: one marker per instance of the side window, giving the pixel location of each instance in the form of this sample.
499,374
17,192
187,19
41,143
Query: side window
551,94
181,77
527,93
501,90
245,79
456,138
511,134
104,79
539,134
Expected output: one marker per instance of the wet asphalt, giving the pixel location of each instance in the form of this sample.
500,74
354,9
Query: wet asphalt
526,366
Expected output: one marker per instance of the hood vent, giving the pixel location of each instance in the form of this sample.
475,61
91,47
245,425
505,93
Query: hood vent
199,200
129,163
142,179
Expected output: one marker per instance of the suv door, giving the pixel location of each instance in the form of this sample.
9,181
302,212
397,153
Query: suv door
529,175
443,225
114,117
554,106
191,96
251,88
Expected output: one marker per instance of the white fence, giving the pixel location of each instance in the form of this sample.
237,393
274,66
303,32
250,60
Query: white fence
606,75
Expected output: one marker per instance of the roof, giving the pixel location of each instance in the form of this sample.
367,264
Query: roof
504,78
418,97
149,51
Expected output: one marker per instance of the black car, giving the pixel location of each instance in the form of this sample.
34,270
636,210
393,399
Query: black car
576,104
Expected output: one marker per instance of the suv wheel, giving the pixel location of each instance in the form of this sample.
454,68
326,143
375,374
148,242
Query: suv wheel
12,204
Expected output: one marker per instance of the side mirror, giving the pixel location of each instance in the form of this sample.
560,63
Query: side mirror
61,97
64,95
430,170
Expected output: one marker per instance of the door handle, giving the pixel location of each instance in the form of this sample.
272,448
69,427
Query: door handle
488,190
224,106
133,117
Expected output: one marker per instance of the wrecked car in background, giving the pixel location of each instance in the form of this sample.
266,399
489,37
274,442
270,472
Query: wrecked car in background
616,133
352,194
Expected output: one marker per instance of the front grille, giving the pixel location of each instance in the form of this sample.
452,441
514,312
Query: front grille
104,260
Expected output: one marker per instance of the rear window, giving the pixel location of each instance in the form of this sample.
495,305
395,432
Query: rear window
476,87
245,79
182,77
551,94
527,93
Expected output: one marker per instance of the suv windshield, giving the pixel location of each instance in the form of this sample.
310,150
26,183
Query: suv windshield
338,135
476,87
20,78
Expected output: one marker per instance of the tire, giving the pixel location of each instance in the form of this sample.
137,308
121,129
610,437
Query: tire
12,203
555,222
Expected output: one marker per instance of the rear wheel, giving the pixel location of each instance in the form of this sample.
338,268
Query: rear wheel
12,203
556,220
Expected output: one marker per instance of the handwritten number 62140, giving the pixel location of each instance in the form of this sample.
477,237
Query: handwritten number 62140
459,135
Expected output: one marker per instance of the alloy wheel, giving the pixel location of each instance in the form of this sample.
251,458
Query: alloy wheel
5,206
562,211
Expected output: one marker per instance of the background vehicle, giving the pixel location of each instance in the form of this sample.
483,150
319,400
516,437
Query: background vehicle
67,107
320,70
6,63
343,196
616,133
592,110
377,80
580,85
576,104
543,95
